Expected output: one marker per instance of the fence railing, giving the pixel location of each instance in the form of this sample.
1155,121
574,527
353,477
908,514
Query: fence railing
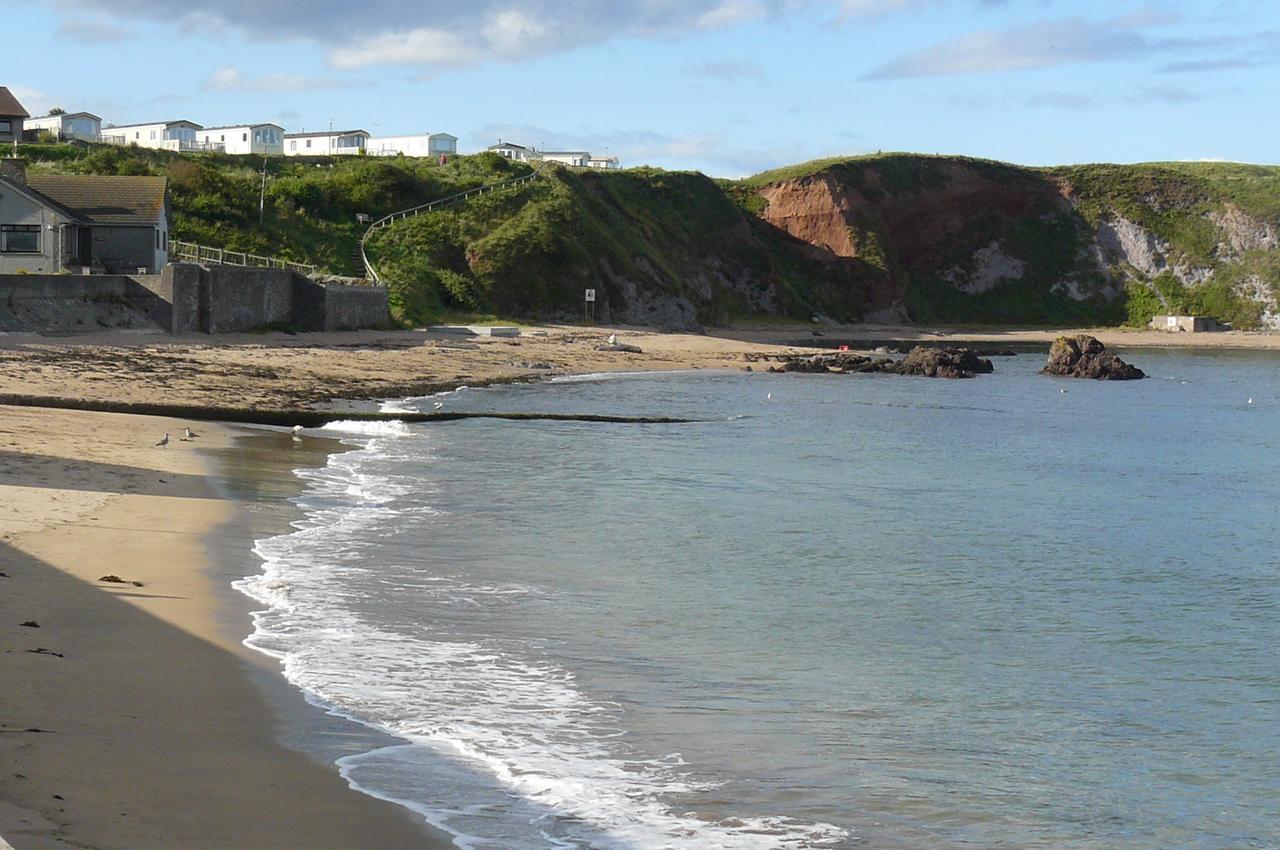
192,253
442,203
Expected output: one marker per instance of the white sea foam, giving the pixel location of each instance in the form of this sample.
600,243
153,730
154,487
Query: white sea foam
504,750
393,428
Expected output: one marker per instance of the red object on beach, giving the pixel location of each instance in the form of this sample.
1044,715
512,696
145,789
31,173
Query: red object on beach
844,348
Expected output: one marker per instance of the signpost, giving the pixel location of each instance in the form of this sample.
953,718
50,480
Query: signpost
589,306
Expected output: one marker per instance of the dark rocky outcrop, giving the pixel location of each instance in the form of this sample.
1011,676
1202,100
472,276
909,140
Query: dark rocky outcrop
944,363
1084,356
925,362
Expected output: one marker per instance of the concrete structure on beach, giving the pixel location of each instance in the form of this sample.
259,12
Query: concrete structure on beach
1184,324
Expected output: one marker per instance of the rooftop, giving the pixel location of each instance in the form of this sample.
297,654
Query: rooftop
99,199
151,124
9,105
325,133
68,115
238,126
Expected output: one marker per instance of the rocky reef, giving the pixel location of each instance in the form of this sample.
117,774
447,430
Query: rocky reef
921,361
1084,356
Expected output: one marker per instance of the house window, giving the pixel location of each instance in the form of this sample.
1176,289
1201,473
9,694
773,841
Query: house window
6,126
308,143
244,137
153,134
20,238
293,145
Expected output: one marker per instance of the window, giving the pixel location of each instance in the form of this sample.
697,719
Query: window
153,134
308,143
6,126
293,145
244,137
20,238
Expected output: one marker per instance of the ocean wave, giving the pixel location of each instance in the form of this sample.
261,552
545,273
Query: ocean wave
503,749
392,428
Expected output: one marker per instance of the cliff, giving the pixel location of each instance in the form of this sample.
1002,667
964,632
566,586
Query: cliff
962,240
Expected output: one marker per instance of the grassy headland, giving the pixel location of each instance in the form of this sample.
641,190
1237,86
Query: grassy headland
931,239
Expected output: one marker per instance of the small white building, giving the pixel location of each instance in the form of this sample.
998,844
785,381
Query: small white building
331,143
578,159
510,150
165,135
603,162
258,139
84,126
423,144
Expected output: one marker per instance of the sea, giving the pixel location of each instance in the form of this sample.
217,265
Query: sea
861,611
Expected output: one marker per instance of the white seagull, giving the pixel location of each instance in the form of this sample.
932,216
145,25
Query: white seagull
297,429
164,441
191,435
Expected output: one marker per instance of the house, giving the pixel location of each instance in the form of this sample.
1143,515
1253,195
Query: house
424,144
513,151
165,135
84,126
258,139
12,116
51,223
332,143
603,162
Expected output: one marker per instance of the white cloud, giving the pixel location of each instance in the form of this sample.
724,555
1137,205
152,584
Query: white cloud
232,79
91,31
421,46
1039,45
730,13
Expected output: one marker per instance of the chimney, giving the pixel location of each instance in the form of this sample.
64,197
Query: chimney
14,168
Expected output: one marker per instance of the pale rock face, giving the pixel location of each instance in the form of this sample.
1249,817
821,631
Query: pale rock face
1124,240
1254,288
992,267
1243,233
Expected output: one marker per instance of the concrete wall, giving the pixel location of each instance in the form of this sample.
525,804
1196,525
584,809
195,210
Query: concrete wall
349,308
68,304
241,299
187,298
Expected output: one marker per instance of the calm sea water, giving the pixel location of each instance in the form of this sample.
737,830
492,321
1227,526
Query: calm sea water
870,611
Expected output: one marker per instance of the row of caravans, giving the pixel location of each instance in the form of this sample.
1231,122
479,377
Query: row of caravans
264,139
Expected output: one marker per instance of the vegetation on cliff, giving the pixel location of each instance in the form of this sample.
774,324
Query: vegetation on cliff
891,237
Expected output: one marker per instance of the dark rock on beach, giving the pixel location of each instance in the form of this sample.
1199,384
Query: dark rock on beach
926,362
944,363
1084,356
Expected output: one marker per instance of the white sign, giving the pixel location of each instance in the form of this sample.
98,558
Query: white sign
591,295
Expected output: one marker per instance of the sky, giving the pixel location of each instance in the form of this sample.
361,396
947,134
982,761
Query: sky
727,87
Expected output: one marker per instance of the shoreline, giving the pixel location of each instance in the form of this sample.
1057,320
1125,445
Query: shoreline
140,721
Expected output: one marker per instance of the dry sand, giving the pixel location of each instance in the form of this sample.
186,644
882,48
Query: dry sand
130,719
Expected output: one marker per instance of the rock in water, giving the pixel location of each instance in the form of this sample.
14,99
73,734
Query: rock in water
943,363
1084,356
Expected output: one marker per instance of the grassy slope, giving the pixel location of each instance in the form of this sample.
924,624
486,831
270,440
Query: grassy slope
310,205
1171,200
531,252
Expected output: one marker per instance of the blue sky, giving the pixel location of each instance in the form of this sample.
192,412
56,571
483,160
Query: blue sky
728,87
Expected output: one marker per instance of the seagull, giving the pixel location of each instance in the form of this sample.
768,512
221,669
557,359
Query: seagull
613,339
297,429
191,435
1250,401
769,397
439,405
1064,392
164,441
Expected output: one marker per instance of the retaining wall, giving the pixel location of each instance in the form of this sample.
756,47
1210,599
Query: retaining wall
187,298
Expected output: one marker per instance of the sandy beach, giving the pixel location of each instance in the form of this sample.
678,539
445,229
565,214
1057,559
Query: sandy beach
133,716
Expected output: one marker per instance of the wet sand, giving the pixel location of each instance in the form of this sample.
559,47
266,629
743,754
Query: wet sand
132,716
